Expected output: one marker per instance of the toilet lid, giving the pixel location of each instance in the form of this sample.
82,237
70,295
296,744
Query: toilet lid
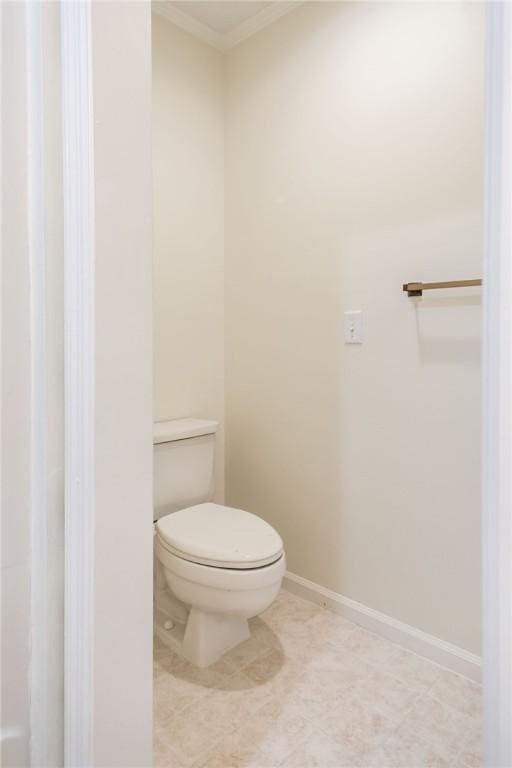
223,537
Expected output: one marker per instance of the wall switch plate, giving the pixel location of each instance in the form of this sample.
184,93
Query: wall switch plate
353,326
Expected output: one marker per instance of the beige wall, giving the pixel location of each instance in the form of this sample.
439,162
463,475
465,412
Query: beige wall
354,158
121,51
188,229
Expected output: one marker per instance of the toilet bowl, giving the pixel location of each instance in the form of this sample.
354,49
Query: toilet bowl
226,565
215,566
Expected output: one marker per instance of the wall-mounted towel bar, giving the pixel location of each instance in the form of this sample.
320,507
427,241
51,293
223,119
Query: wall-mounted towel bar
416,289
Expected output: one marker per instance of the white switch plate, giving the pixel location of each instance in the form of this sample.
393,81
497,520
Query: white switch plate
353,326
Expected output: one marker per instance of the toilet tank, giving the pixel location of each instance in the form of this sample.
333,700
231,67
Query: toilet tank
183,461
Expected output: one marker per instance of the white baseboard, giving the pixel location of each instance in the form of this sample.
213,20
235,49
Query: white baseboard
439,651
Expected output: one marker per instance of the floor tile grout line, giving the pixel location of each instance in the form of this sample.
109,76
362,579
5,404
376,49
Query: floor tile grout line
378,666
239,729
462,749
420,737
402,719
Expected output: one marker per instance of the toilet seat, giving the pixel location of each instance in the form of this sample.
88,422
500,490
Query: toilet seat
219,537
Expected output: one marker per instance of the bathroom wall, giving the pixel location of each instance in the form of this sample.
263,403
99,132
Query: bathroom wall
188,229
15,384
354,163
123,574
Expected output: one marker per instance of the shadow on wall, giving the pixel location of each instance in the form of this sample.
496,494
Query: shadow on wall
462,346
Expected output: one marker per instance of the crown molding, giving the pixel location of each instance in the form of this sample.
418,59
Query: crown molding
168,11
223,42
259,21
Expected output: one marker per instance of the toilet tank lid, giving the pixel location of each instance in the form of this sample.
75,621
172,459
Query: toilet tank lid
180,429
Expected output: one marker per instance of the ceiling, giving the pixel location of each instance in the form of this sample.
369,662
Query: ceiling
222,23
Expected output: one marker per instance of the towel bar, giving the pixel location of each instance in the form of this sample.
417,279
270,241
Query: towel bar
416,289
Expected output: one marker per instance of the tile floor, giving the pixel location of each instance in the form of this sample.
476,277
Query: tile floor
311,689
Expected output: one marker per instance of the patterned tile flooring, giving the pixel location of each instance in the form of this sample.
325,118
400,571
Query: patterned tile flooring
310,689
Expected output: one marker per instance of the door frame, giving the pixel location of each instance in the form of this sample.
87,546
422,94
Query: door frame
106,140
79,377
497,393
496,402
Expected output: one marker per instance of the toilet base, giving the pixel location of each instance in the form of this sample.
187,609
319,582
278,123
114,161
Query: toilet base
209,635
169,631
219,603
204,638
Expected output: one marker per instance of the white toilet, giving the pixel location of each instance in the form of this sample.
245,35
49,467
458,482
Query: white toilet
215,566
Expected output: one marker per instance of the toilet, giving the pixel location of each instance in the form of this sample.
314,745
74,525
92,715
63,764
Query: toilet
215,566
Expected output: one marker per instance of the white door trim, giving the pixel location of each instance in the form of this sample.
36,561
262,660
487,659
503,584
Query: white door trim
79,369
38,469
497,394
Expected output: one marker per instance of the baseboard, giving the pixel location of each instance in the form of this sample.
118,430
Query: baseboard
439,651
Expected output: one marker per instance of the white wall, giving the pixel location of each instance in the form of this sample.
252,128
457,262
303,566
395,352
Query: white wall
121,50
48,618
16,559
32,435
354,162
188,229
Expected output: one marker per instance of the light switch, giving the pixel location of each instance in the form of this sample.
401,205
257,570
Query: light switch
353,326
